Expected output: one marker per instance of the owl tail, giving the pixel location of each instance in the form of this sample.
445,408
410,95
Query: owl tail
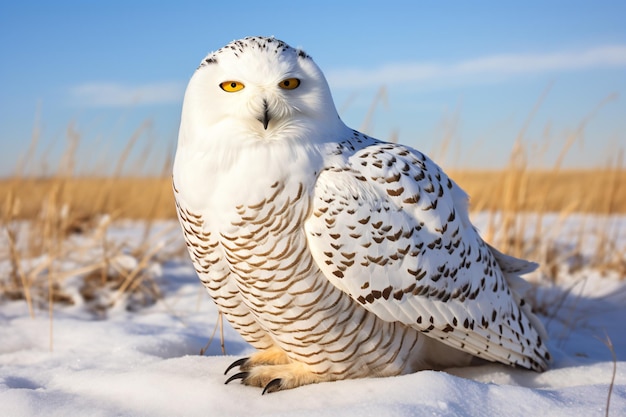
512,268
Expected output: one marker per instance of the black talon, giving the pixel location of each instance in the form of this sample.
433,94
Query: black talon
238,362
272,386
240,375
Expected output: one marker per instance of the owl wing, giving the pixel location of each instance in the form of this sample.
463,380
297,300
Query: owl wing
390,229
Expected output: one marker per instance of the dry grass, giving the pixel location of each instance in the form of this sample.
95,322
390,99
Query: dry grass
60,242
60,206
599,191
57,227
596,191
122,197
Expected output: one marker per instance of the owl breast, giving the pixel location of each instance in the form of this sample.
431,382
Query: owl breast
261,274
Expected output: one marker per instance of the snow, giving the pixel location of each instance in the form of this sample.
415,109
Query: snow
146,361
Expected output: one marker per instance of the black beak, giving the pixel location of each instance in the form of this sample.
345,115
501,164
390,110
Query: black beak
266,115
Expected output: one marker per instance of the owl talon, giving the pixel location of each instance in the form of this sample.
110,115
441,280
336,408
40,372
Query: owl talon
238,362
272,386
240,375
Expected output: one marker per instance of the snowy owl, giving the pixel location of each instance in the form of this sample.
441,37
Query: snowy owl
334,254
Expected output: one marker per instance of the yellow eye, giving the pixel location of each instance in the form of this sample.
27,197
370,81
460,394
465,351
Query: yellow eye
289,83
231,86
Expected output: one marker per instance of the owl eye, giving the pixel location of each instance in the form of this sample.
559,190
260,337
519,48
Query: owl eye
289,83
231,86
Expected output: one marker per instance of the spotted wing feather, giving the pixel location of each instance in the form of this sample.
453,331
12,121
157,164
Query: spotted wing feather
389,228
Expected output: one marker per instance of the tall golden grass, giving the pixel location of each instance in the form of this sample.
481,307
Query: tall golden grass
594,191
39,216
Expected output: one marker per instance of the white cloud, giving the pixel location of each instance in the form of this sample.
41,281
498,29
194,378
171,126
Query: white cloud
109,94
481,69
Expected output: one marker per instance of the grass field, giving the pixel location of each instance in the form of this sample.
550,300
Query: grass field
599,191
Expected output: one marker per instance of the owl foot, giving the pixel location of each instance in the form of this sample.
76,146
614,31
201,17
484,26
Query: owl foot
271,356
274,378
272,370
273,385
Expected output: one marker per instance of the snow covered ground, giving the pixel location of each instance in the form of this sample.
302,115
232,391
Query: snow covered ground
147,362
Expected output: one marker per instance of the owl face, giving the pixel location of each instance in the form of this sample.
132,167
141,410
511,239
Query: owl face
258,89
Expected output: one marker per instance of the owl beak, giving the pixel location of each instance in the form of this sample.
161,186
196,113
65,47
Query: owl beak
266,115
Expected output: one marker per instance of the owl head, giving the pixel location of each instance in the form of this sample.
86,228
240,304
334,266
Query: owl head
257,90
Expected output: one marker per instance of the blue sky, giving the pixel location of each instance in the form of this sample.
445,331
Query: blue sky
469,71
